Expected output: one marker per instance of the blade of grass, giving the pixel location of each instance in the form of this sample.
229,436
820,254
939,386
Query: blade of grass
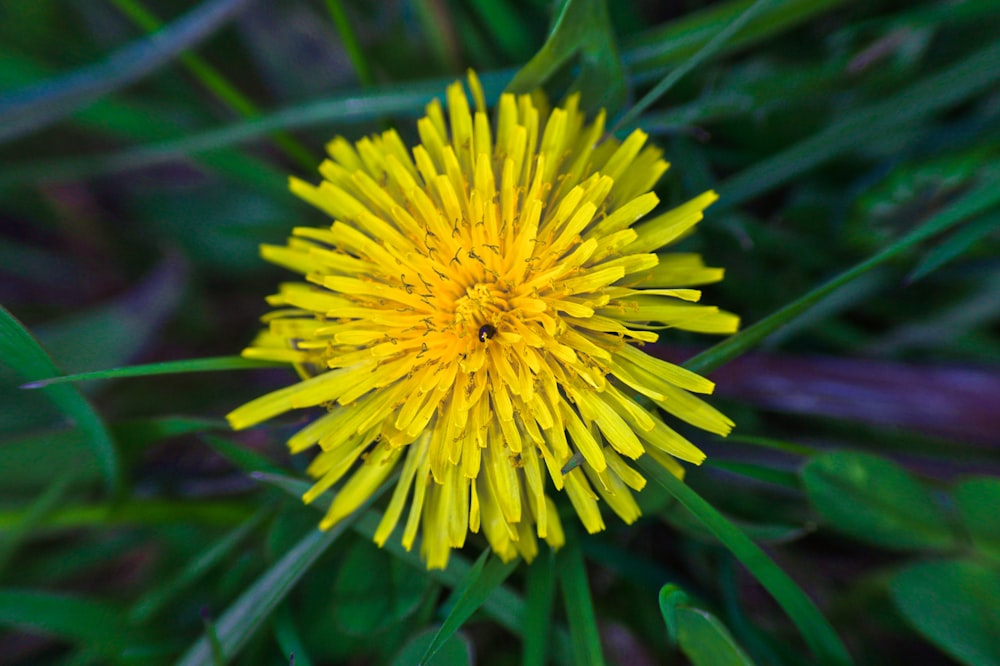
762,473
149,122
139,433
155,600
94,624
711,49
579,604
361,106
219,86
790,448
505,27
981,198
20,351
582,28
136,512
503,605
212,636
30,109
679,40
34,515
473,590
961,241
539,597
249,612
242,458
350,42
818,633
212,364
288,637
970,76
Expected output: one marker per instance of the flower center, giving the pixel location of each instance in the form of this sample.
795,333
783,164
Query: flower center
484,304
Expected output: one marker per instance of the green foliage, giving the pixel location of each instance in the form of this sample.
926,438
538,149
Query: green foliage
700,635
954,605
875,500
144,153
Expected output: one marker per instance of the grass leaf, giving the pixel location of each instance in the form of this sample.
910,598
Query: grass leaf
539,597
213,364
970,76
711,48
244,617
20,351
34,107
475,587
979,199
579,604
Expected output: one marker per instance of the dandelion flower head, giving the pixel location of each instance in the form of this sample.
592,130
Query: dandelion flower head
474,317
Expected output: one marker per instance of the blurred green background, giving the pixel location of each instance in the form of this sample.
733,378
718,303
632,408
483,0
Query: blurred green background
144,152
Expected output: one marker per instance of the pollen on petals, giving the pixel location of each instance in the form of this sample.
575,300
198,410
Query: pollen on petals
472,317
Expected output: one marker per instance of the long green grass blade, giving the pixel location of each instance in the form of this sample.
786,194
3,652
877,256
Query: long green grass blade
579,604
350,42
96,625
213,364
135,512
241,457
34,516
981,198
503,605
21,352
818,633
582,28
475,588
970,76
678,40
153,602
32,108
711,49
404,100
539,598
148,123
961,241
221,87
247,614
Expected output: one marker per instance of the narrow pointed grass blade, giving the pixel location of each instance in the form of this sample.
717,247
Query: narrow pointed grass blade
408,99
503,605
712,48
162,368
582,28
157,598
579,604
972,75
249,612
30,109
33,516
960,242
96,625
983,197
475,587
217,83
20,351
539,597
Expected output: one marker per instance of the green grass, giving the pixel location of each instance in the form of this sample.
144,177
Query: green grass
144,153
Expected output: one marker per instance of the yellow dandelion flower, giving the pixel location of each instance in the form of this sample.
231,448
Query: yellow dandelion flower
473,318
